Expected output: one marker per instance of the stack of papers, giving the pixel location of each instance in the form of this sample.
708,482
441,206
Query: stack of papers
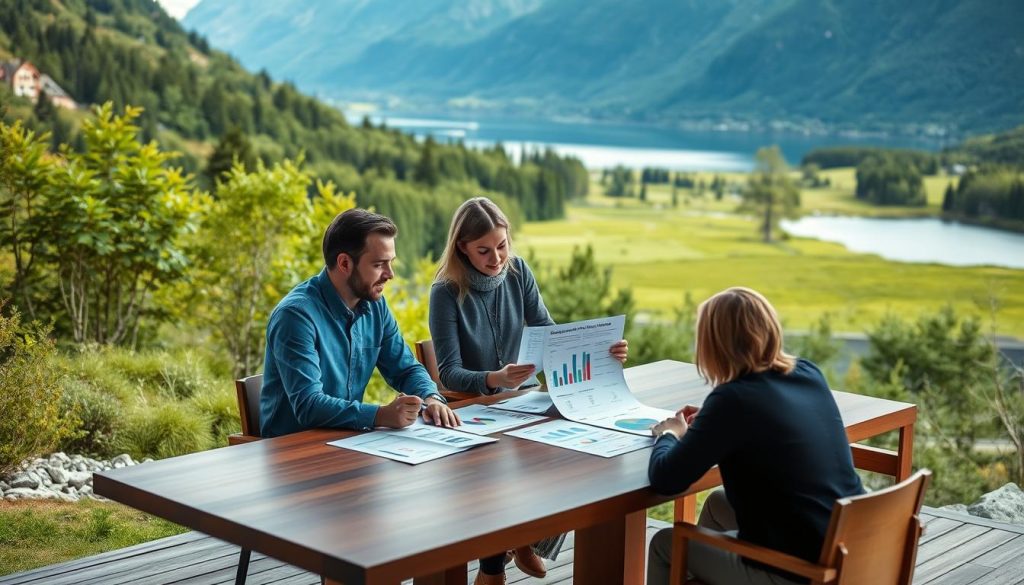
413,444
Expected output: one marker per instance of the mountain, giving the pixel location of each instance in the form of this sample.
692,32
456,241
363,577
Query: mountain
859,63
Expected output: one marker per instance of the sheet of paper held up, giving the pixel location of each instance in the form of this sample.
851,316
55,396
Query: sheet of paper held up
586,383
414,444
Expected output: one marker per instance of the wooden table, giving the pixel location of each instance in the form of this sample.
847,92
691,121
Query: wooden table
360,519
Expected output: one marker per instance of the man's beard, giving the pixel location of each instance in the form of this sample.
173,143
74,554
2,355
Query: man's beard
361,288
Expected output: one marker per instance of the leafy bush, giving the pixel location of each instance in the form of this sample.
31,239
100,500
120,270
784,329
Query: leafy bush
33,422
167,429
672,340
220,406
99,419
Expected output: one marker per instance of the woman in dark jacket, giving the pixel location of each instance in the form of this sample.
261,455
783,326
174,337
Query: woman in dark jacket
773,428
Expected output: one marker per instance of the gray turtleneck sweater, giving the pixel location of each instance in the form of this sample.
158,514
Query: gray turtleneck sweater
482,333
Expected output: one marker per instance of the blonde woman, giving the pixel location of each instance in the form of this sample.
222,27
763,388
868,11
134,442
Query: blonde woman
482,297
773,428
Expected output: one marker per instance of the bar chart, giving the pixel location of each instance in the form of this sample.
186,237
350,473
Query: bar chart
574,372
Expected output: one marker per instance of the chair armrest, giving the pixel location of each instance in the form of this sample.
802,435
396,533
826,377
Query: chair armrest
240,439
754,552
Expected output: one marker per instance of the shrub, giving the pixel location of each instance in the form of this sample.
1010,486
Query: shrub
221,408
30,393
165,430
100,417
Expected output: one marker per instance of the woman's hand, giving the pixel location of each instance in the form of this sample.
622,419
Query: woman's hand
688,412
619,350
511,376
675,425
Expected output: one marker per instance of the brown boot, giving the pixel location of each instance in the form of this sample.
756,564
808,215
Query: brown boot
482,579
529,563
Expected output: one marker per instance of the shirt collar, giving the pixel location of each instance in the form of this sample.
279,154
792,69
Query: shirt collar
339,310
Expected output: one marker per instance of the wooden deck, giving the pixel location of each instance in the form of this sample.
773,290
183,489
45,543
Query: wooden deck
955,550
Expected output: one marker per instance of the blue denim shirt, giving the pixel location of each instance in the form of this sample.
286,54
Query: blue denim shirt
319,358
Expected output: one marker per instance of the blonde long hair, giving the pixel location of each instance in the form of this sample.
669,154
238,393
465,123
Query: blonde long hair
474,219
738,333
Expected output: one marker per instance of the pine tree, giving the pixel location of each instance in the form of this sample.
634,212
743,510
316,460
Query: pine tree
948,200
234,146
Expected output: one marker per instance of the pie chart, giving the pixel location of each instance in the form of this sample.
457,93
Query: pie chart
478,420
635,424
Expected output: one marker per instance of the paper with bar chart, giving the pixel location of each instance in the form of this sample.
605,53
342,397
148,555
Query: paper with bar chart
414,444
587,384
485,420
535,402
579,437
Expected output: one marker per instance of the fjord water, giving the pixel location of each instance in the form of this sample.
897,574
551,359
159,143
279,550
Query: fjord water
604,145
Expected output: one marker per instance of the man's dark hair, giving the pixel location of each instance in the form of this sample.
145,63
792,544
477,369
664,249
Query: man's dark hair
347,234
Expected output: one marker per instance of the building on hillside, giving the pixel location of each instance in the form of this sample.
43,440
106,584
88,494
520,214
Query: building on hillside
25,80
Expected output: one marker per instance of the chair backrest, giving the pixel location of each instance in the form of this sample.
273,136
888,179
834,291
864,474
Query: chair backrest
426,356
872,538
248,391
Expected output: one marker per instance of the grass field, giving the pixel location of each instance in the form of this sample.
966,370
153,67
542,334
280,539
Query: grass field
703,247
35,534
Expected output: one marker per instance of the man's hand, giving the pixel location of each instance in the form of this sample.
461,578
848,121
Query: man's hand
511,376
402,412
676,424
619,350
440,414
689,412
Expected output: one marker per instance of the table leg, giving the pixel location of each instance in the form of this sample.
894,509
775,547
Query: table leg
905,453
612,548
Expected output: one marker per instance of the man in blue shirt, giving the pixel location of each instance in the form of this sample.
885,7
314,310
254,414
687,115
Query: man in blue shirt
325,337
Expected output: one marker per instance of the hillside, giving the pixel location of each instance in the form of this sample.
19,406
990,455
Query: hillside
197,99
863,63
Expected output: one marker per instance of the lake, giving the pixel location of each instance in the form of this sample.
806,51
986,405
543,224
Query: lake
916,240
603,145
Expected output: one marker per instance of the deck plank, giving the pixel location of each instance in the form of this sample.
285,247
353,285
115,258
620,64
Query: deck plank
956,550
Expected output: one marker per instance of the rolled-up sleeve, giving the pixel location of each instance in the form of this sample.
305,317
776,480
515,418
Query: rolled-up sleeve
291,337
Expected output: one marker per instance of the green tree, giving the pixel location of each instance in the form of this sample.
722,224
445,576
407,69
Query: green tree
427,170
949,199
770,194
259,236
114,232
27,178
583,290
233,146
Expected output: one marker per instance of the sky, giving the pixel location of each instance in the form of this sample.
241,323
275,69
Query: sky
178,8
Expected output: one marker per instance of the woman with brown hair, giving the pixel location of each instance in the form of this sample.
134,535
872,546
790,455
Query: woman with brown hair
774,430
482,297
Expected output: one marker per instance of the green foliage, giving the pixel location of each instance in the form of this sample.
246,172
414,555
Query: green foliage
619,182
257,239
165,429
817,344
1004,148
582,290
770,194
100,417
220,406
233,146
884,180
989,192
30,394
831,157
657,340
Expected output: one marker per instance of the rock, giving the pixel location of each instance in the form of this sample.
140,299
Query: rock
123,460
959,508
57,474
81,466
4,486
77,479
25,494
24,481
146,460
1005,504
59,459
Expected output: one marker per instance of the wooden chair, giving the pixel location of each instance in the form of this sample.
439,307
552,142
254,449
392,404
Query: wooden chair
871,538
426,356
248,393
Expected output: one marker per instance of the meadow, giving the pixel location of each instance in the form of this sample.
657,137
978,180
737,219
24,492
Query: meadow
702,246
